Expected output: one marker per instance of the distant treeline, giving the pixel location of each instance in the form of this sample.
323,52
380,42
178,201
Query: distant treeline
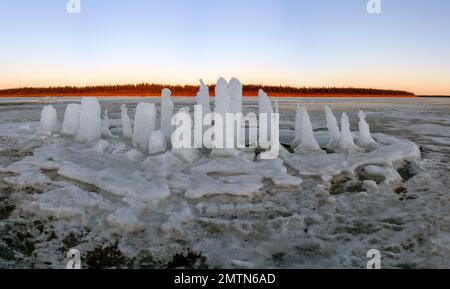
147,89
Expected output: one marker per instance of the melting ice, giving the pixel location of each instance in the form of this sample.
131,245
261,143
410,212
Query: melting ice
157,201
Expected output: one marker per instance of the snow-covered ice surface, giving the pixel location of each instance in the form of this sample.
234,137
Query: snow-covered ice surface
123,207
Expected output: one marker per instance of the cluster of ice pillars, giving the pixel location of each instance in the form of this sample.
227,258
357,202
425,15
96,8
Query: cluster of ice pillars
340,139
84,122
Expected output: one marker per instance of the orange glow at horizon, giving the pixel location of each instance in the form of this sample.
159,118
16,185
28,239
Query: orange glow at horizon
432,85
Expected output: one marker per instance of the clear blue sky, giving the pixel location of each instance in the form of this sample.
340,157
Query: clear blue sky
294,42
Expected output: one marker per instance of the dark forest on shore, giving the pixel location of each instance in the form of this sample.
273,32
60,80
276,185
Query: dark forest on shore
146,89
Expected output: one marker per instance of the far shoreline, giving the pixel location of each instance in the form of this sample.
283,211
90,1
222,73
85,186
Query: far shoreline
156,95
187,90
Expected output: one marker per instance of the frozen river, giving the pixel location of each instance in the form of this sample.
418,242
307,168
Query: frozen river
55,195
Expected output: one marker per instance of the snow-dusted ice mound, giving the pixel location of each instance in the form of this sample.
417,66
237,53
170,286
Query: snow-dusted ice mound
235,90
106,125
346,142
144,123
127,131
48,124
151,204
307,141
203,97
364,138
166,114
333,129
90,126
71,120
